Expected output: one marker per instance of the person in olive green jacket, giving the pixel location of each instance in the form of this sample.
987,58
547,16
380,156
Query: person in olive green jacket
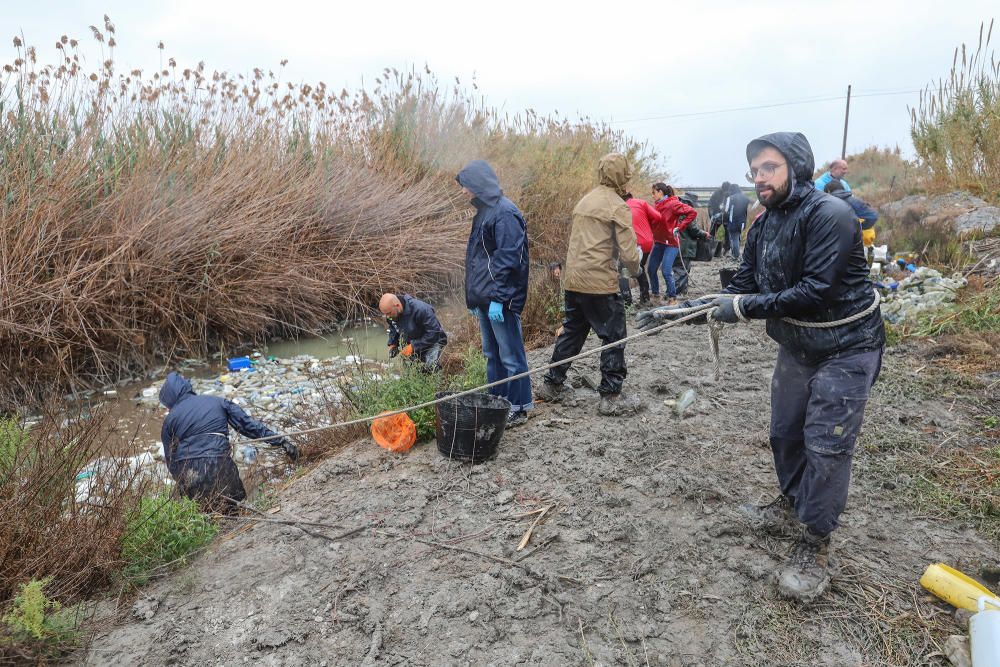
600,239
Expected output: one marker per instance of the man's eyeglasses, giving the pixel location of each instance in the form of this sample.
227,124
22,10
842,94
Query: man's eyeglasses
765,170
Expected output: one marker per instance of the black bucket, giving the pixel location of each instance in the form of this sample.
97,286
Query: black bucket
469,428
726,276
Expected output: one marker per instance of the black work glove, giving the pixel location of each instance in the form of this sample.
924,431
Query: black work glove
649,319
291,451
725,310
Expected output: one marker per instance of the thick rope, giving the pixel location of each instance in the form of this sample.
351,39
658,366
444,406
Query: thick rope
697,312
687,314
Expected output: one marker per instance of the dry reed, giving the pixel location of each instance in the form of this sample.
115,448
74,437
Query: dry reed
146,216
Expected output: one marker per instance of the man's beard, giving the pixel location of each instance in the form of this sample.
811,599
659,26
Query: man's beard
775,196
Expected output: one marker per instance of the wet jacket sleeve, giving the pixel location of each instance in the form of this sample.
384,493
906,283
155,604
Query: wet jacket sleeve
166,437
693,231
628,245
510,239
831,235
865,213
681,209
424,318
245,424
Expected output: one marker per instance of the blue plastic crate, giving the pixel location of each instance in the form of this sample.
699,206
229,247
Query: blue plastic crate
239,363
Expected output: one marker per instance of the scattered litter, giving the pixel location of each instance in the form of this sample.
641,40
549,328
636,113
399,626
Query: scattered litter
686,400
926,290
955,588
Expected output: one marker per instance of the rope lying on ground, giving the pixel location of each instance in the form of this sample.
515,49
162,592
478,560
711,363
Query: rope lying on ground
687,314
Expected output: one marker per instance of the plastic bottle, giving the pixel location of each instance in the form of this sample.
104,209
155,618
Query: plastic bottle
984,633
686,400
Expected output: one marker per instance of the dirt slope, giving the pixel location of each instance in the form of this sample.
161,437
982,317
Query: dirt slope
641,559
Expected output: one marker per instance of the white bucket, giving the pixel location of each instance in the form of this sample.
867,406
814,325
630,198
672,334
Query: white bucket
984,633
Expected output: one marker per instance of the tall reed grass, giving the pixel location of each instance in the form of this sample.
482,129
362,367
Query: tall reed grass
956,125
150,215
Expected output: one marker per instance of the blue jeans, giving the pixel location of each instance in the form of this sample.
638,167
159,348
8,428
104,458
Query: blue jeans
503,348
662,260
734,242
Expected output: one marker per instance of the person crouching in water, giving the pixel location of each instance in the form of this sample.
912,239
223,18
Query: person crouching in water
195,437
414,321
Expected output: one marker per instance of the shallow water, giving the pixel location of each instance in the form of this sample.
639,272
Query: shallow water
366,339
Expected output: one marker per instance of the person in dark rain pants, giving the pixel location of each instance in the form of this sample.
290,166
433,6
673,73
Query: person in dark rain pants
196,449
804,260
601,237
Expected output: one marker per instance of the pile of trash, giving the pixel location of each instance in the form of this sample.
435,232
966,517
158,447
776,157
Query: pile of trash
925,290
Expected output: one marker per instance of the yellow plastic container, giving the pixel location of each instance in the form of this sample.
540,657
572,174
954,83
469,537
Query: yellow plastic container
953,587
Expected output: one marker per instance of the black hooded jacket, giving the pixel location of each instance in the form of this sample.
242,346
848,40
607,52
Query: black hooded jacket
804,260
198,426
496,257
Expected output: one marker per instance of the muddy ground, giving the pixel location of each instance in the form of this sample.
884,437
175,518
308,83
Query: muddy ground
640,559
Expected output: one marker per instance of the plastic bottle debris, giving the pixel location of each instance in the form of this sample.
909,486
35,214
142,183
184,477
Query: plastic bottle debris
984,632
925,290
686,400
246,454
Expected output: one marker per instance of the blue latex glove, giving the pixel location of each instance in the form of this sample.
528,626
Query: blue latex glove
474,312
496,311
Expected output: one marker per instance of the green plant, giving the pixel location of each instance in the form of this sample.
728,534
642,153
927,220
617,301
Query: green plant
372,393
12,441
163,531
35,616
473,371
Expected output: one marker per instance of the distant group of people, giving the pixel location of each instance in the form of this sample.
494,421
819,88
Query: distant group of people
802,261
727,210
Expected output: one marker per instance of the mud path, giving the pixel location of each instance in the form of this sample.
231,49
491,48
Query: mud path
639,560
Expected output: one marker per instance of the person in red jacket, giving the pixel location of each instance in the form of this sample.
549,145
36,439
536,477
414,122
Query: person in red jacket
666,238
643,217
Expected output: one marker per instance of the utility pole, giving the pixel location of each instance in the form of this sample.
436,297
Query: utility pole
847,115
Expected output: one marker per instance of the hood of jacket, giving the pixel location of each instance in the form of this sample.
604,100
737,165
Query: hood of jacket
614,171
796,149
174,388
479,178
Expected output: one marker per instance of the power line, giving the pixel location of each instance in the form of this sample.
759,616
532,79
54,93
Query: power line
810,100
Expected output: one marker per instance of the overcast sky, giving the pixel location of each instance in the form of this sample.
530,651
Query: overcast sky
632,64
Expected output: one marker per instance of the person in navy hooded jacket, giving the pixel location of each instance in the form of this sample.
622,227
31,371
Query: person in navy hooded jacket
496,283
195,437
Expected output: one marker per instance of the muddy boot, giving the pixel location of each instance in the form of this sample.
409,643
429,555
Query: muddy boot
777,516
616,405
556,393
806,573
516,418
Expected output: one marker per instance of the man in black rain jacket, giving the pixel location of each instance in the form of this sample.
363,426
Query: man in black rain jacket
804,261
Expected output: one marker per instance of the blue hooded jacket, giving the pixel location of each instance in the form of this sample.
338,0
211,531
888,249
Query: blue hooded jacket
496,258
198,426
865,213
418,324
